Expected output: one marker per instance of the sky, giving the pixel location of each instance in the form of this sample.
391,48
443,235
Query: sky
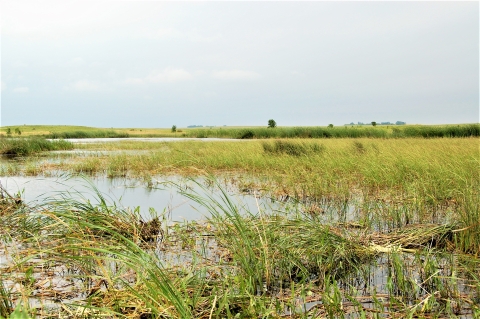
158,64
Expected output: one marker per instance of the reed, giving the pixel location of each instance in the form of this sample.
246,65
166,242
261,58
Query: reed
29,146
88,134
422,131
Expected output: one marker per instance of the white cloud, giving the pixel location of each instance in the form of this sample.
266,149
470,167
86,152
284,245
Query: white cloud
85,85
22,89
169,75
235,75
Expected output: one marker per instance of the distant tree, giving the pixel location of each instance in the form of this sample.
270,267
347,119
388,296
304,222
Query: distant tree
272,123
17,130
374,123
9,132
174,128
330,125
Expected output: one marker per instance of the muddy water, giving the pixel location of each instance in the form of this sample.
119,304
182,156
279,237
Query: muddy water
162,194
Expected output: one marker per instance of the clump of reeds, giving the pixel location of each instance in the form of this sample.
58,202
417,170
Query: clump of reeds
28,146
6,304
88,134
466,130
294,148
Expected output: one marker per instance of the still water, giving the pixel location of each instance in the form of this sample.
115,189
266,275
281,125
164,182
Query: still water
164,194
150,139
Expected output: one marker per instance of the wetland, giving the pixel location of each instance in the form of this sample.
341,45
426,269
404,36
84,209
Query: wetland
266,228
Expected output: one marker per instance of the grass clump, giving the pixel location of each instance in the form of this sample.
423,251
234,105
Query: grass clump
294,148
29,146
466,130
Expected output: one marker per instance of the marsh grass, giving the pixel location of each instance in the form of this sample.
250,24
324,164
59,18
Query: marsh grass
292,148
423,131
367,131
88,134
29,146
6,305
408,206
240,263
396,182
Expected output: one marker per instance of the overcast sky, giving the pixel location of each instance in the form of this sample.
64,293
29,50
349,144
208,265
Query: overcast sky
155,64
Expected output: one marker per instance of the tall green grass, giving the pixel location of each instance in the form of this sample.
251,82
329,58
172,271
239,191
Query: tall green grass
292,148
88,134
28,146
423,131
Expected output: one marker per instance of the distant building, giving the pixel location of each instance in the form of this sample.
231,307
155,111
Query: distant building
360,123
400,123
193,126
386,123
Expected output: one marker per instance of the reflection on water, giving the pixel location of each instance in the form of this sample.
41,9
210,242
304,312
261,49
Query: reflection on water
163,195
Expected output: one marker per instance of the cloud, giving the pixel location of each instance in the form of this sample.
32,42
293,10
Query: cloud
22,89
169,75
235,75
3,86
85,85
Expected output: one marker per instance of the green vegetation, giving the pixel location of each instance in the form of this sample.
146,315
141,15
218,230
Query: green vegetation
238,264
292,147
29,146
415,175
88,134
371,227
272,123
466,130
393,131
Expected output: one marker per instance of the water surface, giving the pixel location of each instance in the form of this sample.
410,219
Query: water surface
163,194
149,139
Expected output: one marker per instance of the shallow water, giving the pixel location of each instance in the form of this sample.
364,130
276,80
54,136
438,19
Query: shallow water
162,194
149,139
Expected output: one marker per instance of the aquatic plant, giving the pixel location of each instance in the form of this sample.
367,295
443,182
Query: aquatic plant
88,134
28,146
